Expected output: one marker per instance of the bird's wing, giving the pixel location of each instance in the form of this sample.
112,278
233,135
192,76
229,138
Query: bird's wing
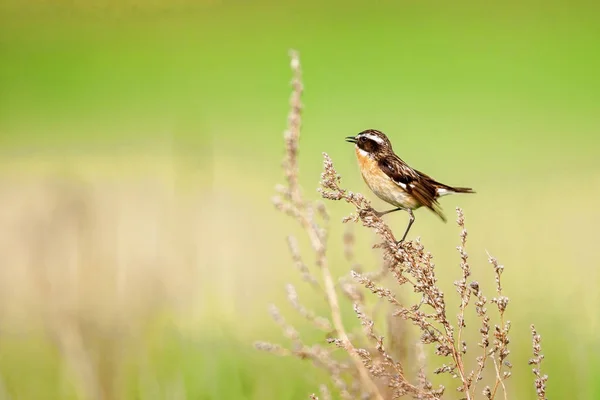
417,184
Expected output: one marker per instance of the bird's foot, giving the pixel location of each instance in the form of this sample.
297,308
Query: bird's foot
403,243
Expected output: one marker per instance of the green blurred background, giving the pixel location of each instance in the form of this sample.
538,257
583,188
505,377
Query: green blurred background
141,141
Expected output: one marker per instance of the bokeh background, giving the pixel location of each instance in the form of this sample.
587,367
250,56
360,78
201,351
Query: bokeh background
141,141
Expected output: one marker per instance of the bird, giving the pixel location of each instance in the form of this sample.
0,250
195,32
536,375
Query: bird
394,181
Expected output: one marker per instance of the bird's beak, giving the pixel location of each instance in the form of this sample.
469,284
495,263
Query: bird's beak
351,139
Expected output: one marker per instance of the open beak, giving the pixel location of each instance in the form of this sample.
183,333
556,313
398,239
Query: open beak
351,139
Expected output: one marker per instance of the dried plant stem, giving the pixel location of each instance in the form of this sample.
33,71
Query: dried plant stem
458,360
332,299
499,380
304,214
461,371
484,330
500,351
536,361
465,296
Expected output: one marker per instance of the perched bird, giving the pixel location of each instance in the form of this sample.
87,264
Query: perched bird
394,181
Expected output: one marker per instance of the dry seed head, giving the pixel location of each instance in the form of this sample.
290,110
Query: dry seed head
271,348
487,392
536,361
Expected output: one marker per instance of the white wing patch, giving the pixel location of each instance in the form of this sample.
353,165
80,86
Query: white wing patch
443,191
402,185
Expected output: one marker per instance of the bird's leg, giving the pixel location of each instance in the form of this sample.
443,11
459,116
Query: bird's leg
410,222
382,213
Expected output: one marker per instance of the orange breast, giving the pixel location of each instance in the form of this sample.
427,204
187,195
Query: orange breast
367,164
381,184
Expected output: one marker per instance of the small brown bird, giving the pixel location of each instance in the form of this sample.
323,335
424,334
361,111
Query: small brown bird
393,181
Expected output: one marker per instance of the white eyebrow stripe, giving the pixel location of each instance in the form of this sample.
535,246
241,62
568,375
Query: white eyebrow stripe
372,137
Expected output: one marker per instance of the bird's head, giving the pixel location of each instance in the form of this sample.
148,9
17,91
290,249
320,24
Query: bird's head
371,141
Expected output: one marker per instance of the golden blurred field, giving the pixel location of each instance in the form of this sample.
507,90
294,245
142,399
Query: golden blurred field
140,143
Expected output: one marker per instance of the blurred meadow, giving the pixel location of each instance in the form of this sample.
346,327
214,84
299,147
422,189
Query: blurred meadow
140,142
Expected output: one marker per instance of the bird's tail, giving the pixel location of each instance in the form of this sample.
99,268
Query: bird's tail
461,189
443,190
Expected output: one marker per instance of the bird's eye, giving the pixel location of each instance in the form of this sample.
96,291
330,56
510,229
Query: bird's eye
361,139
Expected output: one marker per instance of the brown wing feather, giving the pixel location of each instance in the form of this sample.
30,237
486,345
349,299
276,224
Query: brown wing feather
417,184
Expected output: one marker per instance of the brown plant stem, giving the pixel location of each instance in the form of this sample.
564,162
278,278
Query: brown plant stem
304,214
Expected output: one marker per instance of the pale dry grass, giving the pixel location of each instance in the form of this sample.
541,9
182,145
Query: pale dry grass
370,370
90,264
